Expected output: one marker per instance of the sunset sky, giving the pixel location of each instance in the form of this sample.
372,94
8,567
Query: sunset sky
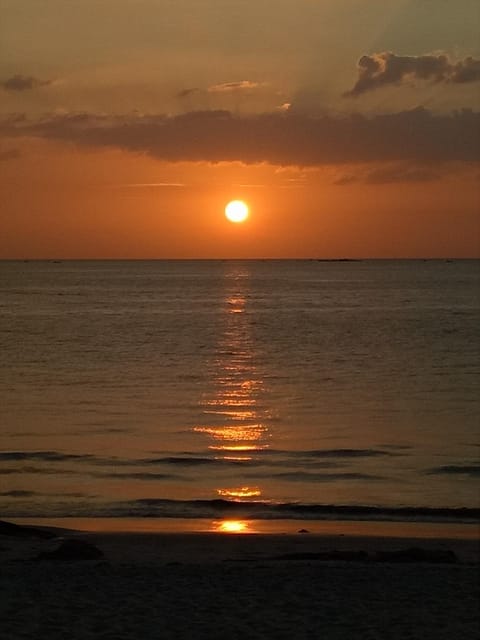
350,127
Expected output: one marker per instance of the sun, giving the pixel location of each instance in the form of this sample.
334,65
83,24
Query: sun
236,211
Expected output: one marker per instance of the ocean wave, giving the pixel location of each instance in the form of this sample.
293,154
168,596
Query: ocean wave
472,470
220,508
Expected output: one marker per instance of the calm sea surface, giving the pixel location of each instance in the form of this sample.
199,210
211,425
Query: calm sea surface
271,388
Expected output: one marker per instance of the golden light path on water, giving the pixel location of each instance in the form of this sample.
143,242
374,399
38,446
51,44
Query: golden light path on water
240,492
237,429
231,526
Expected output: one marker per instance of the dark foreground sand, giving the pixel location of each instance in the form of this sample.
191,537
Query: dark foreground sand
197,586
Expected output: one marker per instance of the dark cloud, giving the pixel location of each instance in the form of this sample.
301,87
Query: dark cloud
285,139
466,71
23,83
386,68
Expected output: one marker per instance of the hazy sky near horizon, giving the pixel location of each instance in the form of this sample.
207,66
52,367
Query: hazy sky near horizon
351,128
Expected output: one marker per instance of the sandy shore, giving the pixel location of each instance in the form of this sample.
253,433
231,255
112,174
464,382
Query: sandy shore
212,585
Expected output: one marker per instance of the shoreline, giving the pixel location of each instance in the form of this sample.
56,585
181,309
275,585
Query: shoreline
212,585
161,541
362,527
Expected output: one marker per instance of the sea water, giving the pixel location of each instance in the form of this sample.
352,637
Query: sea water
267,388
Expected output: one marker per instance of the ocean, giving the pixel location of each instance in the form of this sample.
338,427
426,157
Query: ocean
300,389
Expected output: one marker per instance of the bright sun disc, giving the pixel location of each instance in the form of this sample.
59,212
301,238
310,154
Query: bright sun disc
236,211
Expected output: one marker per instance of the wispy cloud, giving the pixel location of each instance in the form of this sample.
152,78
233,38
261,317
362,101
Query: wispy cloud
383,69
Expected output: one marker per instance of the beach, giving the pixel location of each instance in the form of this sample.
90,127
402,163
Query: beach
282,449
214,585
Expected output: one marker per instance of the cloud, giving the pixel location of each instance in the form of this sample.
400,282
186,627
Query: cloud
393,173
466,71
382,69
283,139
23,83
402,173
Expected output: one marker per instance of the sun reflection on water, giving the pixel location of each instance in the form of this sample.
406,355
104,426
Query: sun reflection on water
244,433
240,493
231,526
237,390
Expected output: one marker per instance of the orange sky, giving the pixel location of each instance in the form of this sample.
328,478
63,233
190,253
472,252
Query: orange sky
126,137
